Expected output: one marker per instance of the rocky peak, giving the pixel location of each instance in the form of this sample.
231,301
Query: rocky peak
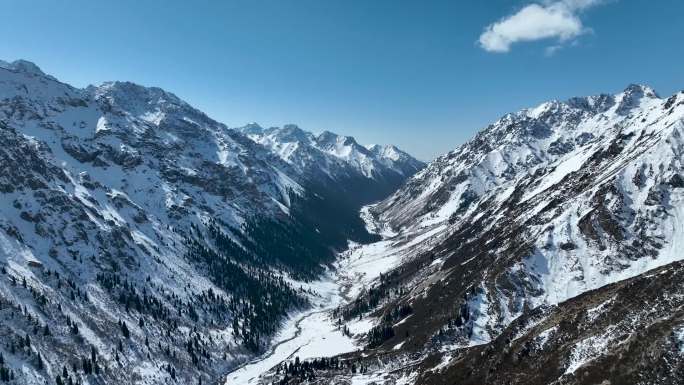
251,129
292,133
134,97
23,66
632,97
641,90
328,138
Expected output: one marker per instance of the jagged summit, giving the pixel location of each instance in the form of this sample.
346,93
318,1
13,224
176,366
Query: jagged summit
641,89
622,101
23,66
341,154
389,151
135,94
287,134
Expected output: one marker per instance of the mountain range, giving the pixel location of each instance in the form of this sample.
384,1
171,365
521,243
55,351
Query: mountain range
143,242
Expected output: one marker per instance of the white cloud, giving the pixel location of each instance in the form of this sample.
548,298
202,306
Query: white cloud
547,20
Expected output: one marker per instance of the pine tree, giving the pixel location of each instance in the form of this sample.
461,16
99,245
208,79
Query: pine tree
93,354
124,330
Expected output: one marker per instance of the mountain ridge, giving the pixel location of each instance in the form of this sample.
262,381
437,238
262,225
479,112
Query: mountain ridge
139,237
517,226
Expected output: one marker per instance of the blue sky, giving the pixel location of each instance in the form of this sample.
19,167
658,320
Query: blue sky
425,75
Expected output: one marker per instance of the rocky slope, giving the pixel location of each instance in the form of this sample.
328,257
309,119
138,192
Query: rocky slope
143,242
548,253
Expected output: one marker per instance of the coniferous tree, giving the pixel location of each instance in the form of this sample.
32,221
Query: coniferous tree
93,354
5,374
124,330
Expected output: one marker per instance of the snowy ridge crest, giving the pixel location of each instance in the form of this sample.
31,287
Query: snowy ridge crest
339,154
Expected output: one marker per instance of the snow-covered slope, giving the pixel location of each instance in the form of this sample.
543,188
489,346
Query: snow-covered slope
517,144
140,240
542,206
595,183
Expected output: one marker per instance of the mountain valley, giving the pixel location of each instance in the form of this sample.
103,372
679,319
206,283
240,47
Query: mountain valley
143,242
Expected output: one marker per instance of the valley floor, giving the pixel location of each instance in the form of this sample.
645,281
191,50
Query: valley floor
314,332
311,333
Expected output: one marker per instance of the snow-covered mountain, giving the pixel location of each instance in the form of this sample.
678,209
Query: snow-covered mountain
142,241
538,252
367,173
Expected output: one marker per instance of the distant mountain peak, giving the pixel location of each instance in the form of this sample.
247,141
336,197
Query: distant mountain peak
129,92
251,129
335,154
642,90
293,133
23,66
389,151
632,97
